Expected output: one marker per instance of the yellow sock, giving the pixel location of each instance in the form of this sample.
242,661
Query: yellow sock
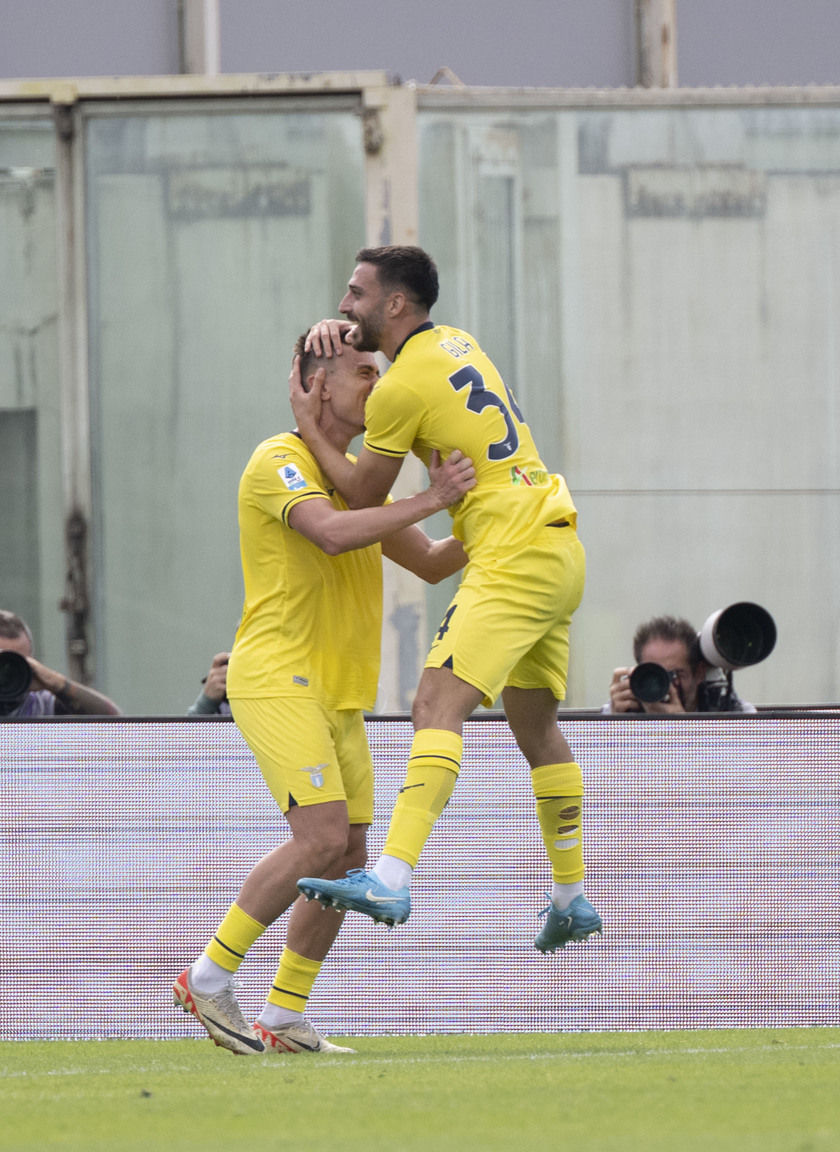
234,936
433,768
559,791
293,982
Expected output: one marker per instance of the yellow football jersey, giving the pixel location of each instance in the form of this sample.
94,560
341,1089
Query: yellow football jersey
311,623
443,392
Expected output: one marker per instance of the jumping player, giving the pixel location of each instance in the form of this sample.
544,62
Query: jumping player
507,629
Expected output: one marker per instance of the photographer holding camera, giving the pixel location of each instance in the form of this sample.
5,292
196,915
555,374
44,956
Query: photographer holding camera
28,689
212,699
684,681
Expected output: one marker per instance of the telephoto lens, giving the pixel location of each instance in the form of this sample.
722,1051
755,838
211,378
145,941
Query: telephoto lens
738,636
650,682
15,676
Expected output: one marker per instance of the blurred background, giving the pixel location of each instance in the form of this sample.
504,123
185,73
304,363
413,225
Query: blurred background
634,207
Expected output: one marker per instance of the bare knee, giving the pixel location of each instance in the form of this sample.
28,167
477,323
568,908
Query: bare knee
546,747
422,714
424,704
328,851
353,856
320,837
443,700
532,716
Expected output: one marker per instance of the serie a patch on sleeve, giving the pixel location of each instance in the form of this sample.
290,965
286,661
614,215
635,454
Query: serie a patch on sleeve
291,477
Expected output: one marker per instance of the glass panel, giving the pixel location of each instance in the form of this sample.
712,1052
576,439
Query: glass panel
215,237
19,513
661,288
31,525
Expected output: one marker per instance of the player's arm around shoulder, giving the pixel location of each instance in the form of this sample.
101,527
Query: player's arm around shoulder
432,560
335,531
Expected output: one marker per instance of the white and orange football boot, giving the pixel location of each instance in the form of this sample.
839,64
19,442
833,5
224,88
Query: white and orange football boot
220,1014
294,1038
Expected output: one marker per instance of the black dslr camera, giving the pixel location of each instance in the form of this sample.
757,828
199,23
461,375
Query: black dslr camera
15,679
735,637
650,682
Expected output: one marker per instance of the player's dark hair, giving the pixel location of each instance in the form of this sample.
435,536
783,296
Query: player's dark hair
406,268
668,628
308,359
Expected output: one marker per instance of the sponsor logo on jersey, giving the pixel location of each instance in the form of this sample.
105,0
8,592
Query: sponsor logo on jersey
536,476
291,477
302,681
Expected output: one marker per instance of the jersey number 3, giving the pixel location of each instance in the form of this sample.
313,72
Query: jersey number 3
480,398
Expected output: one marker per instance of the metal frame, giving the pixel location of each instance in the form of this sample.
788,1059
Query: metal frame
389,114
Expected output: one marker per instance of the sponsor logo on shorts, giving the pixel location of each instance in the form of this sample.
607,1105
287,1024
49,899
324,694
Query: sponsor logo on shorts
291,477
301,681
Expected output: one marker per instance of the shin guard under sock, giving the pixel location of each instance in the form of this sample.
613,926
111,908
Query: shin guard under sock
433,767
558,789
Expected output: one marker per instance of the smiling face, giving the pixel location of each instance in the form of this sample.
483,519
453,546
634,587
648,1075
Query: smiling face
364,305
348,382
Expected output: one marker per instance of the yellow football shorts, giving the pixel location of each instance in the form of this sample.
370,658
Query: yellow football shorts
508,624
308,754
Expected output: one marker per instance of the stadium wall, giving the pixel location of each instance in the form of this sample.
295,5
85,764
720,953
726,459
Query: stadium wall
711,846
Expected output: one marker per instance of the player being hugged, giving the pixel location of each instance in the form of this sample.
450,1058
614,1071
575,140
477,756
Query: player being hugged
303,669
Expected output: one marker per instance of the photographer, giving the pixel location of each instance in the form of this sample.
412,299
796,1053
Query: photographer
212,699
41,692
694,686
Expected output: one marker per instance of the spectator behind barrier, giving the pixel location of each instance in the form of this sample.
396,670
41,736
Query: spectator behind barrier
693,686
212,699
29,689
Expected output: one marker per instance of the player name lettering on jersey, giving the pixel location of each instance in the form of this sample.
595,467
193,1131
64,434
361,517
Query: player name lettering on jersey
457,346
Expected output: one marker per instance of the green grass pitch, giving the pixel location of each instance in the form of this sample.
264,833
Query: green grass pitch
750,1090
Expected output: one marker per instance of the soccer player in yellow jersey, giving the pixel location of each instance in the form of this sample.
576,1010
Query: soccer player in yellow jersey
304,665
507,629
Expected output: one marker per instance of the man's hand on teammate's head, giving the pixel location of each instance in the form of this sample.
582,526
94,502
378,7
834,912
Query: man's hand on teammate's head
305,396
328,337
